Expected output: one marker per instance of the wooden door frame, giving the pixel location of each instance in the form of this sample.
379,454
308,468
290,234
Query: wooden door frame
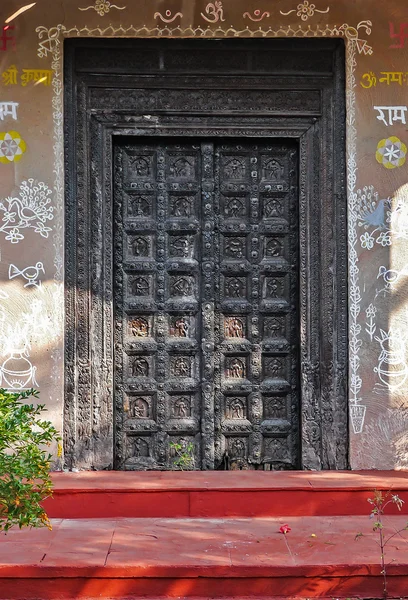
307,106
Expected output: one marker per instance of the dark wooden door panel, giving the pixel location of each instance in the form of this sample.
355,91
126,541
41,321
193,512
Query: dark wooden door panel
206,280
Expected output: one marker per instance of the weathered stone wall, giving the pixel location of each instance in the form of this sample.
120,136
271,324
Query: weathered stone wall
32,184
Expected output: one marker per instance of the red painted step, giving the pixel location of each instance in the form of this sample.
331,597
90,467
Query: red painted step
133,558
112,494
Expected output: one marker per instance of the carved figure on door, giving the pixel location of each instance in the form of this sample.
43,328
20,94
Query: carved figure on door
275,407
181,327
272,170
234,327
236,408
141,448
234,208
141,166
237,448
235,169
181,367
182,168
234,247
181,246
182,207
140,287
234,287
273,208
140,367
140,247
182,287
139,327
273,288
181,408
139,207
274,327
273,248
274,367
276,448
140,408
236,369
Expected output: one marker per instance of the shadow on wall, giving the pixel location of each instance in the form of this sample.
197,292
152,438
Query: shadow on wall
384,227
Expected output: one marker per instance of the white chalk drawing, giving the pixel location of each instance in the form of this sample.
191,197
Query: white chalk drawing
30,274
30,209
383,444
168,17
40,323
257,16
16,371
102,7
353,36
391,278
384,219
215,12
8,109
370,323
392,368
357,409
50,43
391,114
305,10
3,294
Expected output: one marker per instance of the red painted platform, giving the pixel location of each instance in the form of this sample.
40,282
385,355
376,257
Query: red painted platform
132,558
113,494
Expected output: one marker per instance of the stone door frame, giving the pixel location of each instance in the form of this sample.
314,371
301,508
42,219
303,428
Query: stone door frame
309,108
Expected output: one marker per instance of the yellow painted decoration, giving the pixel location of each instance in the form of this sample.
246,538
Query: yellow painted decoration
12,147
391,152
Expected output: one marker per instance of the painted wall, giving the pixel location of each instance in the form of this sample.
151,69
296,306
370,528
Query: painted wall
32,193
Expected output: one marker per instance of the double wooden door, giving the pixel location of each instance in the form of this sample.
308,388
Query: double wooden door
206,304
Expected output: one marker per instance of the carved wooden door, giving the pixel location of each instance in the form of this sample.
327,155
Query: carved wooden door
206,304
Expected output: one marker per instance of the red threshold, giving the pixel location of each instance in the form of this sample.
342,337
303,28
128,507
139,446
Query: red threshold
217,494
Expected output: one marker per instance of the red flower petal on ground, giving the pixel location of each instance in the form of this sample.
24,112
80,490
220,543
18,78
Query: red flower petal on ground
285,529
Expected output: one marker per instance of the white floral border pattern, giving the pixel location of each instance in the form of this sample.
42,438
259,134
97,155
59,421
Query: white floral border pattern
50,43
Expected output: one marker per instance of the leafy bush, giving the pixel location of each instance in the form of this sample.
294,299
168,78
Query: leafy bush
24,461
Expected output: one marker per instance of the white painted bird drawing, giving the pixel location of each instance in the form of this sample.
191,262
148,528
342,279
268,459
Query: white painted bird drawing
30,274
391,276
374,214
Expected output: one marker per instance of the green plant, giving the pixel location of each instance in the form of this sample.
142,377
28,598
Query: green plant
379,503
184,454
24,461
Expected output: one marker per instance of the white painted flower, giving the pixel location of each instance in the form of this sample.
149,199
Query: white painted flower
371,311
14,236
42,229
306,10
367,240
102,7
9,216
384,239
